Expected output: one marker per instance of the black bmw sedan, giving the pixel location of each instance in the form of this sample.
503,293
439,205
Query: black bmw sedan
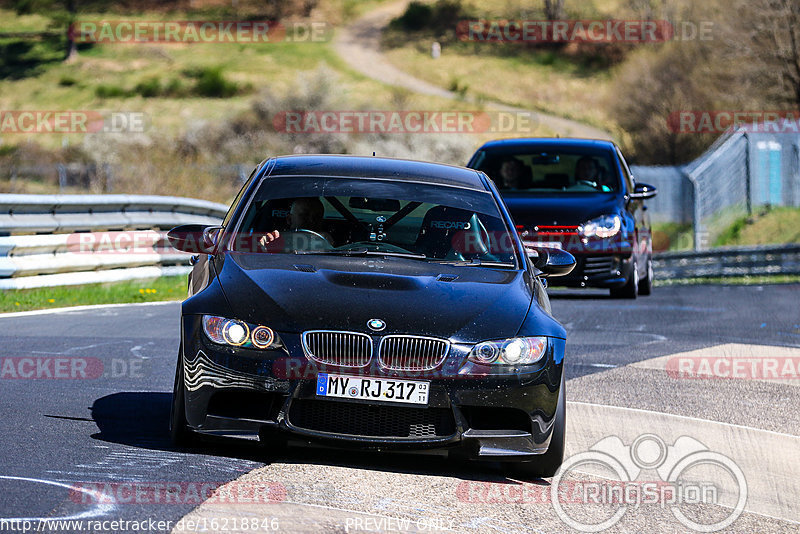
375,303
578,195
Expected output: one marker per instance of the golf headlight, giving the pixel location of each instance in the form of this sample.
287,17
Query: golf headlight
239,333
515,351
605,226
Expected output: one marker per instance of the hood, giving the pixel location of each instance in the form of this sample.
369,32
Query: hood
292,293
528,210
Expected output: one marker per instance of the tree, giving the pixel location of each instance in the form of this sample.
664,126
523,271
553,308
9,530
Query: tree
653,85
554,9
766,35
72,47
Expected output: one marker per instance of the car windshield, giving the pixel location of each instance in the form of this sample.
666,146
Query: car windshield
550,170
298,215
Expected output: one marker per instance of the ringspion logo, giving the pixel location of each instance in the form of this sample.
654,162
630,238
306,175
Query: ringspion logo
689,477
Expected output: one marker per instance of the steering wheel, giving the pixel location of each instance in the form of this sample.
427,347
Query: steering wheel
316,235
312,232
378,246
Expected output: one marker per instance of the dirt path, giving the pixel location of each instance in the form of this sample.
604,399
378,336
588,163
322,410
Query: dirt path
359,46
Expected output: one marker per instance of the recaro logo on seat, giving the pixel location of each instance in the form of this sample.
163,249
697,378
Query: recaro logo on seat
447,225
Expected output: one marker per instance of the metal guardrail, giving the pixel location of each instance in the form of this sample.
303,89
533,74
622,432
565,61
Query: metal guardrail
728,262
75,213
50,240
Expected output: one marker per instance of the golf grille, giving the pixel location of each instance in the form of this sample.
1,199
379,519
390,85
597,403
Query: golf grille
371,420
598,265
411,353
345,349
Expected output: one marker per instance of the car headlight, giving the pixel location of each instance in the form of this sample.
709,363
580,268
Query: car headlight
604,226
238,333
514,351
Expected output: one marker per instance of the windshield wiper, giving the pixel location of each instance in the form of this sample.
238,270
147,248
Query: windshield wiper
363,252
475,262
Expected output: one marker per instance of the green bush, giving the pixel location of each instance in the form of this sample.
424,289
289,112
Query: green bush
211,83
441,16
67,81
174,88
109,91
546,58
732,233
416,16
458,87
148,88
446,14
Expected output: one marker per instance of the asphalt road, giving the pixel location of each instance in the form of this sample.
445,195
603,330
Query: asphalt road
65,439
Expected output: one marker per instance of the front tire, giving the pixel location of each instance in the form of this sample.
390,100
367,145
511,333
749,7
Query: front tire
646,283
178,427
631,288
547,464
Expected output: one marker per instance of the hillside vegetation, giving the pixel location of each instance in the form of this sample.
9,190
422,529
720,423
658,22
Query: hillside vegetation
208,107
725,55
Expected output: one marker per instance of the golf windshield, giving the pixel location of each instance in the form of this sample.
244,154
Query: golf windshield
560,171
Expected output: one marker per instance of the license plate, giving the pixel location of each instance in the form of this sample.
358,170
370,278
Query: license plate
374,389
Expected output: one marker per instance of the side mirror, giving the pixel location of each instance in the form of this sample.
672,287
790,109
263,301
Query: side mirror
552,261
194,238
642,191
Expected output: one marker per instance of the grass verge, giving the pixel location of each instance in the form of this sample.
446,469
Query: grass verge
731,281
539,81
146,290
768,226
176,86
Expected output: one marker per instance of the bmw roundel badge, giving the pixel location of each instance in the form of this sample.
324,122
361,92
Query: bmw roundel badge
376,324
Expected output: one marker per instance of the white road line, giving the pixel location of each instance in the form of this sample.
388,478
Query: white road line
83,308
98,510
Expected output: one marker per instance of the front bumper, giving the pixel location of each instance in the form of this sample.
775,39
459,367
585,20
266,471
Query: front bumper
605,263
597,270
244,393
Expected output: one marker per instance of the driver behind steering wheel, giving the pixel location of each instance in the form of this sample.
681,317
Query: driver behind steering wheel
587,170
305,214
